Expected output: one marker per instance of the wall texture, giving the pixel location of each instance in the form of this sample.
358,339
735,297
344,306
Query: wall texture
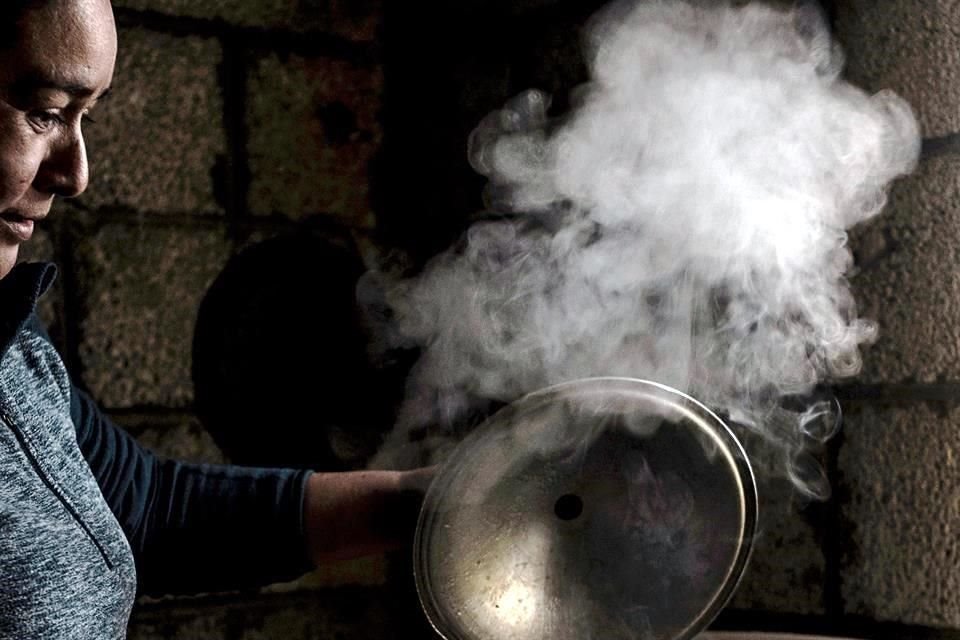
896,467
233,123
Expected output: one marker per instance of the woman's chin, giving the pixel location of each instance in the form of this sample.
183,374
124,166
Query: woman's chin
8,257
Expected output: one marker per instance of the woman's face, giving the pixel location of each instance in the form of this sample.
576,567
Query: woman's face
52,76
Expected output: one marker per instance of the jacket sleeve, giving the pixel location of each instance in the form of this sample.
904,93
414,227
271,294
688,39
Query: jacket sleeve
195,527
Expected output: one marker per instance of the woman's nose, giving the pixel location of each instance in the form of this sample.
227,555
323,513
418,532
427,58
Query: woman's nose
65,172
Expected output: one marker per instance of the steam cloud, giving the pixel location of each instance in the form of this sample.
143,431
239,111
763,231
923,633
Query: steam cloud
685,223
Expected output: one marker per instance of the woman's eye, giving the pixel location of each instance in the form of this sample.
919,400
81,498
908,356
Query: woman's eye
44,120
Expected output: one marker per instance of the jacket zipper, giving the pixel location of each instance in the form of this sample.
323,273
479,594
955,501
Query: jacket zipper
21,439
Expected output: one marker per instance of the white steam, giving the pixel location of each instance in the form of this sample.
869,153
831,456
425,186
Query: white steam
684,223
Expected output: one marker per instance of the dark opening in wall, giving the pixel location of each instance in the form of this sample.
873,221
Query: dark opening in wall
280,359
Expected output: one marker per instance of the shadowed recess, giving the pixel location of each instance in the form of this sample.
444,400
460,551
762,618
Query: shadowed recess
280,360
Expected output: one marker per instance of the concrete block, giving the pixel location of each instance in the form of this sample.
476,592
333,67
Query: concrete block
208,626
901,482
786,573
909,280
359,614
141,288
158,136
184,439
354,19
910,46
314,128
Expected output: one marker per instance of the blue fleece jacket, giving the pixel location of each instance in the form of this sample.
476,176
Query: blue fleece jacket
88,517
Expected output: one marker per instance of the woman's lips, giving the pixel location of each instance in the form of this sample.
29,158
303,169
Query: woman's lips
16,226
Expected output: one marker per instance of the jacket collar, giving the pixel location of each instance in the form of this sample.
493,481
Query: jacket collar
19,293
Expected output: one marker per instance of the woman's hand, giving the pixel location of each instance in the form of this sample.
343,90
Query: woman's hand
358,513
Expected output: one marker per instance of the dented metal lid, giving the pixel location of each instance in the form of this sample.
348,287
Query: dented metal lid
601,508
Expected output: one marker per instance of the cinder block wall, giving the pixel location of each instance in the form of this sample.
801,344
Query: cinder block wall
233,122
899,506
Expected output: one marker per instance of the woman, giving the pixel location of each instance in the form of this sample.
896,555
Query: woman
87,517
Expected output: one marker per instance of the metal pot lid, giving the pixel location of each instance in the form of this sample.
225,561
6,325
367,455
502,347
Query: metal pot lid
605,508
